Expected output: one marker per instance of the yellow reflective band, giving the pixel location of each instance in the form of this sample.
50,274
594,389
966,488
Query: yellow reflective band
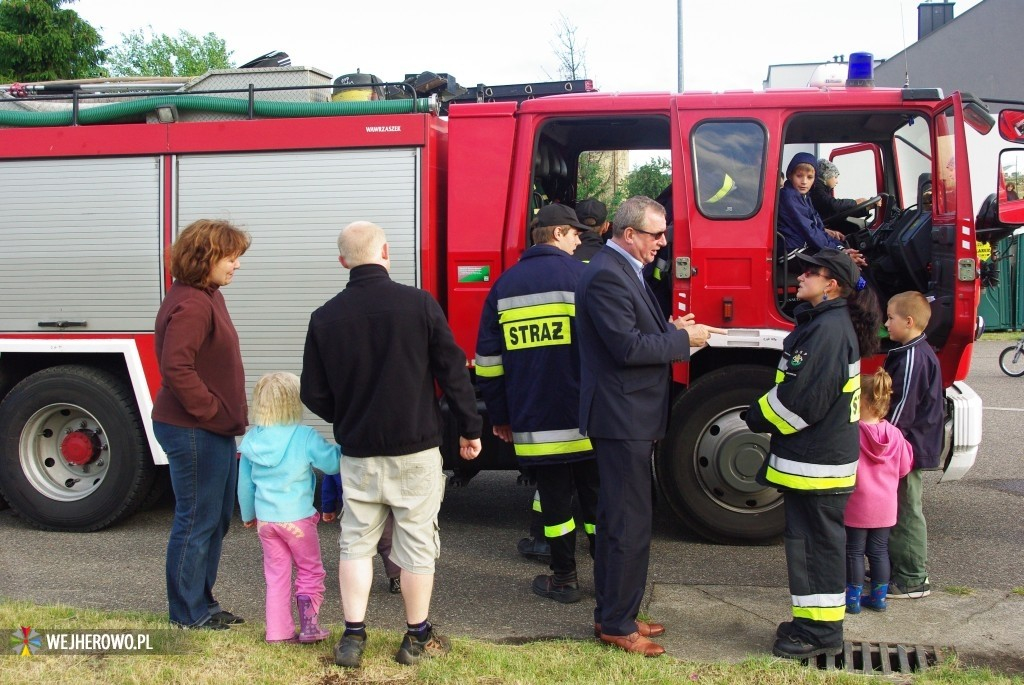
781,424
560,530
852,385
490,371
549,448
795,482
537,311
536,505
820,613
779,377
728,185
589,528
537,333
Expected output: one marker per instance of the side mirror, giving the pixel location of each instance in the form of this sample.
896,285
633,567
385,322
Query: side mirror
1011,125
1009,184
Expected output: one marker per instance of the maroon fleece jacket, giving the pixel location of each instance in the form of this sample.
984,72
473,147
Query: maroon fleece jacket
203,383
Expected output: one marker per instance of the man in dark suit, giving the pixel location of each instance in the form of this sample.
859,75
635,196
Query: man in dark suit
626,347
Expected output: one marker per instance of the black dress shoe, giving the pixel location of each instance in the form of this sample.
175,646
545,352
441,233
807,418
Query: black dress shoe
796,647
227,618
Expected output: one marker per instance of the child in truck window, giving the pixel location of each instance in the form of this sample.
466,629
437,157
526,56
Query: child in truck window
885,457
799,223
275,493
917,410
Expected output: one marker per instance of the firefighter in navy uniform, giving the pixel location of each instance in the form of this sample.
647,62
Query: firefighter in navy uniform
528,372
812,415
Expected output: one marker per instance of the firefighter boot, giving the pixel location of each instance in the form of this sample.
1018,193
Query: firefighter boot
853,593
876,600
310,630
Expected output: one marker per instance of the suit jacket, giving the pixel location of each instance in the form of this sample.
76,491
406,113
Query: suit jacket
626,346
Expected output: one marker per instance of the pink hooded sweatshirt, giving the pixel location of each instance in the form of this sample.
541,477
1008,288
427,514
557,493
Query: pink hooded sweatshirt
885,457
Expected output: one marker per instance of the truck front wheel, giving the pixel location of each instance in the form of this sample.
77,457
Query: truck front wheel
707,463
73,453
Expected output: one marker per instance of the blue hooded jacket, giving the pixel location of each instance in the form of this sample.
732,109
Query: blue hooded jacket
799,223
275,474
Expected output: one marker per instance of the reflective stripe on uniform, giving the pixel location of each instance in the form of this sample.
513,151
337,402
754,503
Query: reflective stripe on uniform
820,607
798,475
560,529
786,421
543,443
553,303
727,187
590,528
488,367
536,501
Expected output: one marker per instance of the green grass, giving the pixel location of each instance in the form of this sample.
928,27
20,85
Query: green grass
241,656
1018,591
961,590
1002,335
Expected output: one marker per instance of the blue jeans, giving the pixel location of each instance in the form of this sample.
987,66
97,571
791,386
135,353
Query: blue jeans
204,476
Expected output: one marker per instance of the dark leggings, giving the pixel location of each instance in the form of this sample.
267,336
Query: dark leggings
872,542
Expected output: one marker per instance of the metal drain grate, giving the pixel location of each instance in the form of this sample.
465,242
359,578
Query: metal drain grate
878,658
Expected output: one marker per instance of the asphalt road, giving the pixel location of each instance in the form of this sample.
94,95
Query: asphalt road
483,586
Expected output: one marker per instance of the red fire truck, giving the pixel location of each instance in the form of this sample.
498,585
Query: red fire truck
95,191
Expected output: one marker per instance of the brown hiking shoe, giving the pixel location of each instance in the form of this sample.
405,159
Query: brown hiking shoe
413,651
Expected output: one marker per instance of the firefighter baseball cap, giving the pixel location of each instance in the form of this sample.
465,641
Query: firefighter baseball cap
592,212
558,215
838,263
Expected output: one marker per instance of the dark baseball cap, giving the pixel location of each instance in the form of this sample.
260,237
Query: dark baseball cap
558,215
592,212
838,263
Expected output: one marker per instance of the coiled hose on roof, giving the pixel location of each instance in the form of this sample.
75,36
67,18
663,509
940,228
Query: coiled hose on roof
207,103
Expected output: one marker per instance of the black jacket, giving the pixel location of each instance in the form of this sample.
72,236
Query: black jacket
827,205
372,355
812,411
590,243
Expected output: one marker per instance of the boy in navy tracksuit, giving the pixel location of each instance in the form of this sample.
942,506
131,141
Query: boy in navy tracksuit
917,410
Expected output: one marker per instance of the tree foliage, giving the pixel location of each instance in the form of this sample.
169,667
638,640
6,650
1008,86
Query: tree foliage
650,178
42,41
161,55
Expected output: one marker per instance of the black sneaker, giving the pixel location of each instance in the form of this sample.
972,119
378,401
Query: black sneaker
566,594
349,651
796,647
395,586
532,548
413,651
209,625
901,591
227,618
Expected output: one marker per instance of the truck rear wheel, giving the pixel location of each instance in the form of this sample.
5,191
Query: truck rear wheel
73,452
707,464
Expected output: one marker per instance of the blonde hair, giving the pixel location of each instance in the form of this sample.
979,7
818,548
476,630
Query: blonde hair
914,305
361,242
275,400
876,392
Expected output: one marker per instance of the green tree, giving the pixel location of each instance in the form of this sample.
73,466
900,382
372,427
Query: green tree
40,41
163,55
649,179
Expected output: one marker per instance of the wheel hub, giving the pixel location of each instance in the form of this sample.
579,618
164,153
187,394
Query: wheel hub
80,447
727,461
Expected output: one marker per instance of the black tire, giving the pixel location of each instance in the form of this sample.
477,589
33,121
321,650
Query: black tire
73,452
706,465
1011,361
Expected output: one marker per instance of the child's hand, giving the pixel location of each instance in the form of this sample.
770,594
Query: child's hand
328,516
249,524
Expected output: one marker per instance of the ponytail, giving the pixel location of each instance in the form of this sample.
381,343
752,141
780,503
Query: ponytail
876,391
865,313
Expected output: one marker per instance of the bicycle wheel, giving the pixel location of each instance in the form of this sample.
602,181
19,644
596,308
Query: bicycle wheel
1011,361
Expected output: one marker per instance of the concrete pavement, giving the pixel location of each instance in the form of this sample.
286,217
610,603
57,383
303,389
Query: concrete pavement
733,622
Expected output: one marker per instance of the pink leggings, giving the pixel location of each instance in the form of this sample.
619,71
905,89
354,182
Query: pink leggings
285,545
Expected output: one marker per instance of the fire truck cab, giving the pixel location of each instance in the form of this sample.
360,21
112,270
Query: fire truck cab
91,208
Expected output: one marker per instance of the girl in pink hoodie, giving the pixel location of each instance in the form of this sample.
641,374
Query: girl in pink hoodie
885,457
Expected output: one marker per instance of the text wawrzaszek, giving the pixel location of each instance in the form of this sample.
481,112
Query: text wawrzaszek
98,642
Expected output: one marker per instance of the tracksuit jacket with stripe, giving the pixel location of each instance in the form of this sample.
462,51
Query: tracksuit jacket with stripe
812,411
918,407
526,336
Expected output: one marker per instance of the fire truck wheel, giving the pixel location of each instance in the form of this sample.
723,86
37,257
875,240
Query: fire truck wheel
707,463
73,452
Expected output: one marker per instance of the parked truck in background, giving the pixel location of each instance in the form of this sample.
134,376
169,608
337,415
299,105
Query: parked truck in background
94,195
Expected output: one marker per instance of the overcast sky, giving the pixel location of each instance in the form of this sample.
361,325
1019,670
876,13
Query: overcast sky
629,46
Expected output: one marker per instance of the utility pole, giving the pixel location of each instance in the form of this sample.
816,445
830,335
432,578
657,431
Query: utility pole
679,16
